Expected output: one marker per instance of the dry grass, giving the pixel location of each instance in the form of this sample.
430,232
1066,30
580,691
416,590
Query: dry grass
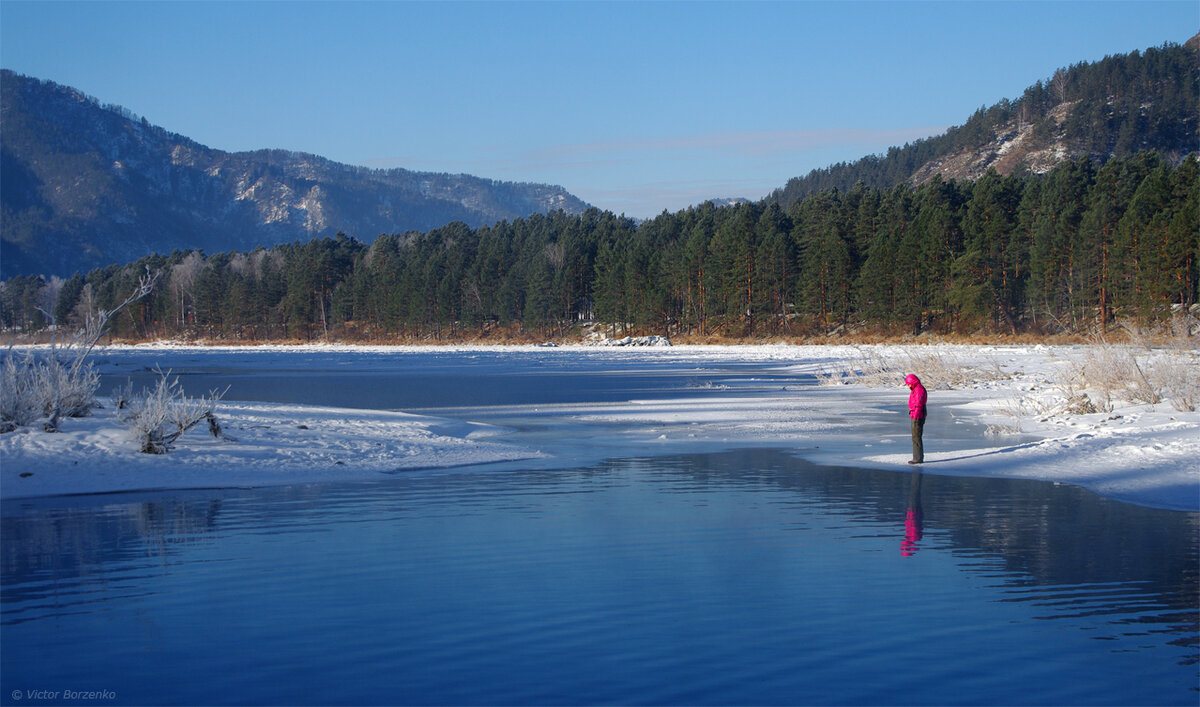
1014,408
937,369
1136,374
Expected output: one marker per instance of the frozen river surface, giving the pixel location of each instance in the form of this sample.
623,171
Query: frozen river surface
670,545
573,405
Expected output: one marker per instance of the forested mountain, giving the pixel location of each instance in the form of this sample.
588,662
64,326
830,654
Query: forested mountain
85,185
1115,107
1061,252
1066,246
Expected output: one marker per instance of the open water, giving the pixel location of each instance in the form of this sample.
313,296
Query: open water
737,577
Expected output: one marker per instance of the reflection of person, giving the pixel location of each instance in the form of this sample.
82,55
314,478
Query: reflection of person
913,519
916,412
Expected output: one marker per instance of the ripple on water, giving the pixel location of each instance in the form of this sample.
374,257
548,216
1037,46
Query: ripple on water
740,577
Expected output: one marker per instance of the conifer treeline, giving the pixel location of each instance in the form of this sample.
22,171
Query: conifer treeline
1061,252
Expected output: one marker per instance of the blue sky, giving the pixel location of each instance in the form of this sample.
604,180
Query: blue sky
634,107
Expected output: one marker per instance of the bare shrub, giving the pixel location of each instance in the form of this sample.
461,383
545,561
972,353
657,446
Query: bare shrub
73,388
159,417
1003,429
34,387
1179,332
1111,372
1183,330
61,383
830,377
21,401
1082,405
939,369
1176,376
870,368
122,396
1019,406
1014,408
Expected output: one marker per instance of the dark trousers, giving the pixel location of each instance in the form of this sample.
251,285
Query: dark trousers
918,429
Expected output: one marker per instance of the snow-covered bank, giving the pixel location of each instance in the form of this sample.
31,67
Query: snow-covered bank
1137,453
264,444
1085,408
700,398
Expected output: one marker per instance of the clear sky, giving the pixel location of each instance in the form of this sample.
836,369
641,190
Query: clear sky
634,107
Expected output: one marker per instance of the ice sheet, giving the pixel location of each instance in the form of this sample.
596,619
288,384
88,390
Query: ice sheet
1141,453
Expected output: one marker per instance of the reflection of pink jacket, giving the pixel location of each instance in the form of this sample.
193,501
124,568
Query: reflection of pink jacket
912,532
916,401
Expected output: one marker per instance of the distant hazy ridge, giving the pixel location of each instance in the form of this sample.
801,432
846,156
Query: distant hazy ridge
86,185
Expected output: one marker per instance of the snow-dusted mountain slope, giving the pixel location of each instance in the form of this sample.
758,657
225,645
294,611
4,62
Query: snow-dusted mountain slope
86,185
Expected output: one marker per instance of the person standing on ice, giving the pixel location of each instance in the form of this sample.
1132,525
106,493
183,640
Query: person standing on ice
916,412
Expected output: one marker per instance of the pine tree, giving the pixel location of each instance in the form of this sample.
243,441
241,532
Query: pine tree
610,286
1183,233
1101,264
879,279
826,287
936,240
734,256
698,272
1053,253
1135,241
776,264
987,277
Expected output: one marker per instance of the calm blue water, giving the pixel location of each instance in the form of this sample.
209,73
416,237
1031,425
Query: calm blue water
740,577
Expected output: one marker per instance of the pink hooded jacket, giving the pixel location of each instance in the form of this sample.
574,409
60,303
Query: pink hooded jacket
916,399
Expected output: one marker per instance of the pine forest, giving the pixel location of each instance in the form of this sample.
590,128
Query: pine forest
1069,251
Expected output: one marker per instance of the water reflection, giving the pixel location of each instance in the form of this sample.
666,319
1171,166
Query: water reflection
46,545
913,518
1034,534
756,575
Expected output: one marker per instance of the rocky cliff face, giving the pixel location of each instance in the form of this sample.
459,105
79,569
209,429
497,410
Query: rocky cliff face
85,185
1013,147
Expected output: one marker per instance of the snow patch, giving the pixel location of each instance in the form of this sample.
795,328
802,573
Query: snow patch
635,341
264,444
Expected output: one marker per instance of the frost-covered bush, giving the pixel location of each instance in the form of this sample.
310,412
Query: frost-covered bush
72,389
159,417
122,396
61,383
1176,376
21,402
35,387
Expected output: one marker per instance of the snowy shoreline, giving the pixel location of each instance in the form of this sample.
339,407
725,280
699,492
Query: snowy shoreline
1136,452
264,444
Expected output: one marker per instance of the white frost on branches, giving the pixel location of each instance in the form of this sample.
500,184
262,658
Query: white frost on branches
63,382
22,396
159,417
33,388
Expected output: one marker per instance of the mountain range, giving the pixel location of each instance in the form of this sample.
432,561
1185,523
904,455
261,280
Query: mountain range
1113,108
86,185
